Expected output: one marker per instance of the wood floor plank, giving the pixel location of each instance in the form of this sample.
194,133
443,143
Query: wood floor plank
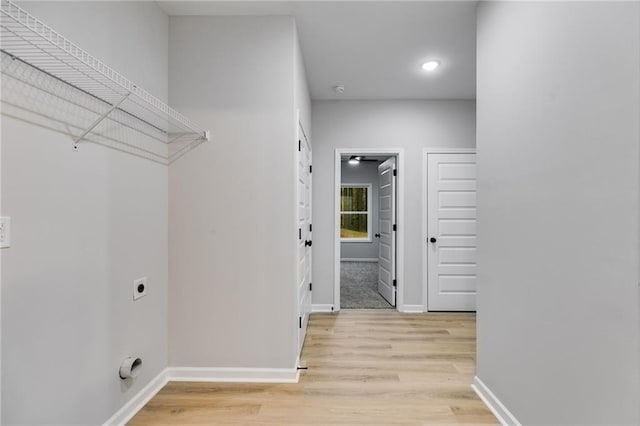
365,367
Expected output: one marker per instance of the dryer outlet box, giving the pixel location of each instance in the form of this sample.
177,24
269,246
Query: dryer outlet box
139,288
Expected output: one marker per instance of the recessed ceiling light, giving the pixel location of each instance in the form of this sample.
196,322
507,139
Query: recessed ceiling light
430,65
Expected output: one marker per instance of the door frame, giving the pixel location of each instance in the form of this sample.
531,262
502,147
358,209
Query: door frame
425,211
399,154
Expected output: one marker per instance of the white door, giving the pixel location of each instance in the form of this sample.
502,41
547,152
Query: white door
387,230
304,236
451,227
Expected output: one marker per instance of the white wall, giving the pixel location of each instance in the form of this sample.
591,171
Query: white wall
558,132
85,225
1,213
302,97
365,173
411,125
232,201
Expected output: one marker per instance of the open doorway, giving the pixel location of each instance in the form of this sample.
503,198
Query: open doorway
367,232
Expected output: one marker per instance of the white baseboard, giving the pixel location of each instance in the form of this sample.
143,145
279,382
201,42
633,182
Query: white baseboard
357,259
237,375
197,374
412,309
135,404
498,409
318,307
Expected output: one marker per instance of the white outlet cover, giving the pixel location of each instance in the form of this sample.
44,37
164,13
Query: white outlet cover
139,288
5,232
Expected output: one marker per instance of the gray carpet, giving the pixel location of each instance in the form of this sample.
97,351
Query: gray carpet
359,286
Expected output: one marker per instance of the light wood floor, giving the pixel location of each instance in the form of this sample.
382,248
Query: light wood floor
365,367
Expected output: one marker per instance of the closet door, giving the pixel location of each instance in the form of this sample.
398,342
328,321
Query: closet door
305,229
451,239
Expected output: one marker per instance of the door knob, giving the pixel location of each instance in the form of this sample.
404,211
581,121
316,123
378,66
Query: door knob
377,235
433,239
307,243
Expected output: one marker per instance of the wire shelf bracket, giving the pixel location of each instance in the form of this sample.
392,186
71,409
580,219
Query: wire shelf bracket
93,102
78,139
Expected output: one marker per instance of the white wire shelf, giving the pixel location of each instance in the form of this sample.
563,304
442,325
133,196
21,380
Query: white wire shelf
52,82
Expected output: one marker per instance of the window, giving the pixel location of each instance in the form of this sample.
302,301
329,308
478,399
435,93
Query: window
355,213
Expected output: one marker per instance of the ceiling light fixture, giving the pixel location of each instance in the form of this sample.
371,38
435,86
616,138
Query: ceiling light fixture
430,65
354,160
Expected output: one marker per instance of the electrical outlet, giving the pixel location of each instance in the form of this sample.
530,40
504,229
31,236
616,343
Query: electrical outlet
5,232
139,288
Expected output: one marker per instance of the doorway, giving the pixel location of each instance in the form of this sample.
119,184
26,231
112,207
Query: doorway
368,234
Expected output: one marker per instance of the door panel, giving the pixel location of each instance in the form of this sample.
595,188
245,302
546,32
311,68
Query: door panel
457,171
385,252
451,220
457,199
386,220
457,227
457,255
462,283
304,236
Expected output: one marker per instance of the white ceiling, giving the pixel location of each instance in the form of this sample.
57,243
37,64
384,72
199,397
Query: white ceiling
373,48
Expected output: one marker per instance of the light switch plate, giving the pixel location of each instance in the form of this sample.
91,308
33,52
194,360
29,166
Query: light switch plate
139,288
5,232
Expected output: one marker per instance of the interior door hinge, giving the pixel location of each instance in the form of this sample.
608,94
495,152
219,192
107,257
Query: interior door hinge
299,322
299,233
310,168
395,172
395,283
310,286
310,228
395,227
299,145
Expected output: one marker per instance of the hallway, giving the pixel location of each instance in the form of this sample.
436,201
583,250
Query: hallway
364,367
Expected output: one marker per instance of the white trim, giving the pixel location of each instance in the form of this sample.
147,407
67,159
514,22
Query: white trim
413,309
321,307
337,180
357,259
400,219
233,374
135,404
425,230
200,374
369,213
498,409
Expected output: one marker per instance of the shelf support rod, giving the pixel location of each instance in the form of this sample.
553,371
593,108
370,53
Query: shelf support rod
98,121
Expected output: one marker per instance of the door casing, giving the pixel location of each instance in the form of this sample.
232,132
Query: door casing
399,154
